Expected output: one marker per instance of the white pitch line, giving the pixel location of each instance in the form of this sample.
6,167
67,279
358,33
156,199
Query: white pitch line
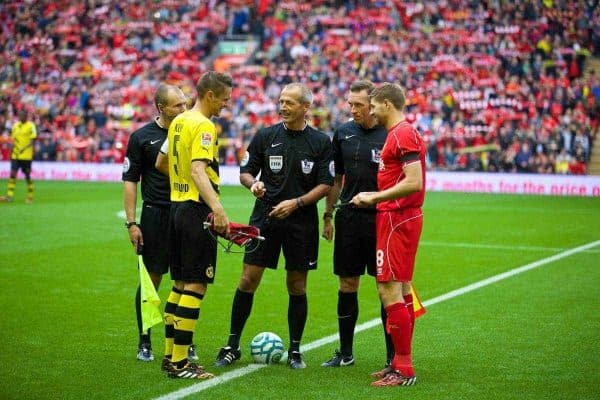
494,246
201,386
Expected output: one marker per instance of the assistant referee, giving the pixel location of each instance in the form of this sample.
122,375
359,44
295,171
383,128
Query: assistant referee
148,237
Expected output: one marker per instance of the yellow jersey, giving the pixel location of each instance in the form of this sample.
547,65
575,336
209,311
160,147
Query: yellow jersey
192,137
23,134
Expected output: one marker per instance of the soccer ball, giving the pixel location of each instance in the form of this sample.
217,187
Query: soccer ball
267,348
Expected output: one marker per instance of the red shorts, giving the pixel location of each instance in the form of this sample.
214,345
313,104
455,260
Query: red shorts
398,234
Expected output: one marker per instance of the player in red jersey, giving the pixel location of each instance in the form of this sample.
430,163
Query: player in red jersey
400,195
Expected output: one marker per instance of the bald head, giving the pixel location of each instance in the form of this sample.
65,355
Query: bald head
170,101
162,94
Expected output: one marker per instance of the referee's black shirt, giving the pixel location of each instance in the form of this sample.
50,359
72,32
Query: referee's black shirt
356,152
290,163
142,150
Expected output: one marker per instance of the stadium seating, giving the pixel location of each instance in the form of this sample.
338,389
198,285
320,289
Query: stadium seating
497,88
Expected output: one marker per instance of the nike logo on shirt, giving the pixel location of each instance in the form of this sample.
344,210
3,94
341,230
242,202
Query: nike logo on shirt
275,144
154,141
349,136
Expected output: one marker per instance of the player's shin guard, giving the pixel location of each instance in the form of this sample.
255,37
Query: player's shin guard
240,311
347,310
184,320
297,314
170,309
399,327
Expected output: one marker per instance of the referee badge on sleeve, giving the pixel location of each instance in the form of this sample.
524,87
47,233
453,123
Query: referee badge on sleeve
245,160
375,155
126,164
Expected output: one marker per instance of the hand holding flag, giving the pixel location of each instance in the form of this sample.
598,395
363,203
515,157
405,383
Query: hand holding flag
240,234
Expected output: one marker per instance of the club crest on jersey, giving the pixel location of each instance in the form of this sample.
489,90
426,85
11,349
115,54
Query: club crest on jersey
126,164
276,163
206,139
307,166
245,160
375,155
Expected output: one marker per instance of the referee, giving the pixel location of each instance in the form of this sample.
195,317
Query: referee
357,148
148,238
296,170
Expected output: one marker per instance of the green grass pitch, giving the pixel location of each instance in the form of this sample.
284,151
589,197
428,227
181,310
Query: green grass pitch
68,274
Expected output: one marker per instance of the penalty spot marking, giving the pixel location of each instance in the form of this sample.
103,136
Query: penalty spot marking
237,373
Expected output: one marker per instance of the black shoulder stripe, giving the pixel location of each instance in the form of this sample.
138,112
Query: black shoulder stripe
413,156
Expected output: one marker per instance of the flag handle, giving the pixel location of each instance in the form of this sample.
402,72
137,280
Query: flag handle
207,225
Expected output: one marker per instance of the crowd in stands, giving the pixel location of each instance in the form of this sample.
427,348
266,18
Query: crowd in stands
492,85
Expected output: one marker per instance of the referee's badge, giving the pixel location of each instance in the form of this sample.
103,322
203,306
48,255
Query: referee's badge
126,164
245,160
307,166
276,163
375,155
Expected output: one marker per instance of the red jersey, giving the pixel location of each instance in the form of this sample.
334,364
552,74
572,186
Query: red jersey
402,139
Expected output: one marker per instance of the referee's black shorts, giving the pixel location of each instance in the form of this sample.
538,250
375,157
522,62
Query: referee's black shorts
193,252
297,236
354,242
154,224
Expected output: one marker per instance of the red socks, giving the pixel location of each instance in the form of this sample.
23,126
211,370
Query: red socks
400,327
408,300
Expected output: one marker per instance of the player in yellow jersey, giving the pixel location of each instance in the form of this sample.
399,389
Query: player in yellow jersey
194,178
23,134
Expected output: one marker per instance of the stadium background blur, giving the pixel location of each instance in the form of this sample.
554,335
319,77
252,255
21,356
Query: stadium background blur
492,85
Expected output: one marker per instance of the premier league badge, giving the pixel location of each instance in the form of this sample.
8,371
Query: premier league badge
307,166
375,155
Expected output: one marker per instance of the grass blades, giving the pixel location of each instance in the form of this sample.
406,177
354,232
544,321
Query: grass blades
68,277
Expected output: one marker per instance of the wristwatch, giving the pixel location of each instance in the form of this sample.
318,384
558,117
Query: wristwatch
130,224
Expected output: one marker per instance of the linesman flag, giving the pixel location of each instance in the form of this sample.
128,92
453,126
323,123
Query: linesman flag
417,305
150,301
